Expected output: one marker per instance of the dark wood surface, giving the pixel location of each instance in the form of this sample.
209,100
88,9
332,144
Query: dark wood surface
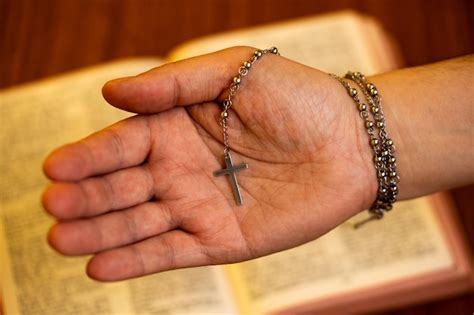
39,38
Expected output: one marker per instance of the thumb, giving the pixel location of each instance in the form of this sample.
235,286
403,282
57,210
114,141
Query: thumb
185,82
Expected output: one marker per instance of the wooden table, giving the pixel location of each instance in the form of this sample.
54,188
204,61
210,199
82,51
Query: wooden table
39,38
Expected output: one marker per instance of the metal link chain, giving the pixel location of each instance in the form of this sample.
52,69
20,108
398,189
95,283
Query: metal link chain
244,69
230,168
381,144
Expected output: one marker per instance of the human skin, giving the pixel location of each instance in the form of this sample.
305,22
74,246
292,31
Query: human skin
140,196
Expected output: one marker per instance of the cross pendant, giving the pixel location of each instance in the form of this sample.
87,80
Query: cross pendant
231,170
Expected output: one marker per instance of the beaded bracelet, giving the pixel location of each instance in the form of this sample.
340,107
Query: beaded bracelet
382,146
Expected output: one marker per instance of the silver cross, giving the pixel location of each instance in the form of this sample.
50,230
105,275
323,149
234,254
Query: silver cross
231,170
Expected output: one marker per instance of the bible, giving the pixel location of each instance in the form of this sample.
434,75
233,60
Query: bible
416,253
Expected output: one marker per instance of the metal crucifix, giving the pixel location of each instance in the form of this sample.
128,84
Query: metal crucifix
231,170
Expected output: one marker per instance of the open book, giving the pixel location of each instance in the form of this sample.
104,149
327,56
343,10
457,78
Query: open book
416,253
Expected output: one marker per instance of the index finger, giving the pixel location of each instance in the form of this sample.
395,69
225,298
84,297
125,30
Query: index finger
122,145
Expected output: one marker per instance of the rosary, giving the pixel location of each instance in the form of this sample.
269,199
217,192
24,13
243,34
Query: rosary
230,168
382,146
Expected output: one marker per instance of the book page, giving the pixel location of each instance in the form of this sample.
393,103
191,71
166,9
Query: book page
407,242
36,118
335,42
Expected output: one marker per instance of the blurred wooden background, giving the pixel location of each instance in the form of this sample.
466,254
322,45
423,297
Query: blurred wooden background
39,38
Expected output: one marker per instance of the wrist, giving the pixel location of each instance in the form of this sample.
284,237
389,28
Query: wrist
431,124
358,146
367,99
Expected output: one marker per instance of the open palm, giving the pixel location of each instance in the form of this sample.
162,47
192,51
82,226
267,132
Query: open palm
141,195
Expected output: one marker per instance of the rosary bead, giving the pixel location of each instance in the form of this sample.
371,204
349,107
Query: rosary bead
258,53
362,107
247,64
374,142
373,92
378,117
225,114
380,124
369,124
375,109
352,92
237,80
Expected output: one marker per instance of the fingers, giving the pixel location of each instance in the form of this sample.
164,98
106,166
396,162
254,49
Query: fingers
122,145
112,230
184,82
171,250
93,196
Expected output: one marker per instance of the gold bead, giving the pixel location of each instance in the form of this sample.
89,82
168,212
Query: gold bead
380,124
369,124
375,110
224,114
247,64
352,92
374,142
236,80
362,107
258,53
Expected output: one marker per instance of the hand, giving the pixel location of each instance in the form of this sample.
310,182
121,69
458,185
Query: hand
140,195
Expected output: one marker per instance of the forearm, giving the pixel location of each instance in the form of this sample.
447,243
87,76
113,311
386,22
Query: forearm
429,113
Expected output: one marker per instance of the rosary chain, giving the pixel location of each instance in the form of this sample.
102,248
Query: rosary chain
388,175
382,146
234,86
